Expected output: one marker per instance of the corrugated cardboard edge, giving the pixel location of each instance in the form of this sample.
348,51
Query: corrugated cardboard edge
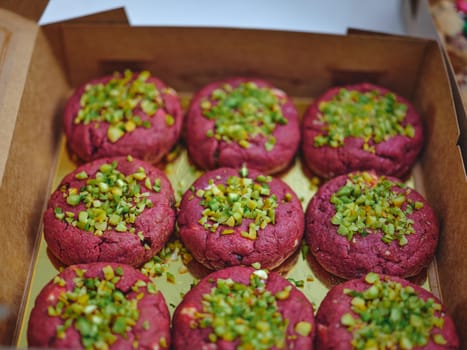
17,37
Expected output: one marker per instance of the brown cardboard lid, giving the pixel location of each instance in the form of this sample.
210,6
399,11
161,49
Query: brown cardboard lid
17,38
29,9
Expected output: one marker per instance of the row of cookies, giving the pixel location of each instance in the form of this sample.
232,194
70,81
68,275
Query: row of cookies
114,306
122,210
244,121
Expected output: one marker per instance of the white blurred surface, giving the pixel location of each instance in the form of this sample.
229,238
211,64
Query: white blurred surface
328,16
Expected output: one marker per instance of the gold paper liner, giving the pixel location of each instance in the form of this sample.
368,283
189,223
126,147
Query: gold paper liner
182,174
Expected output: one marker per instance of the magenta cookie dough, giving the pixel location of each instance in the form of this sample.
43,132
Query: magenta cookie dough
100,305
242,121
361,127
113,209
215,315
383,312
230,217
122,114
360,222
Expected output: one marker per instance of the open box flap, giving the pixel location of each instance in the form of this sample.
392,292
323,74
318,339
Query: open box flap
33,10
26,8
17,40
32,86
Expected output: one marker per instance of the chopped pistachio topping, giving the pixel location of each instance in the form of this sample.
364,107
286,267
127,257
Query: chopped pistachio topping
112,200
59,281
169,120
170,277
368,204
296,283
256,265
243,171
159,264
59,214
96,308
390,316
284,294
116,101
240,198
244,112
247,313
303,328
163,342
369,115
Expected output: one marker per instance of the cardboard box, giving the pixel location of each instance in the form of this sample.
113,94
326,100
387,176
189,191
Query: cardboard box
39,67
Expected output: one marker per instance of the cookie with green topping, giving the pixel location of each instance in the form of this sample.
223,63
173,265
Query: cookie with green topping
361,127
361,222
242,121
244,308
113,209
100,306
125,113
230,217
383,312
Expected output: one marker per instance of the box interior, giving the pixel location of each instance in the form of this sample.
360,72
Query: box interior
59,57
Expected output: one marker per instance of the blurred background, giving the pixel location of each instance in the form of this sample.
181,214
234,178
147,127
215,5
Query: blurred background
331,16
